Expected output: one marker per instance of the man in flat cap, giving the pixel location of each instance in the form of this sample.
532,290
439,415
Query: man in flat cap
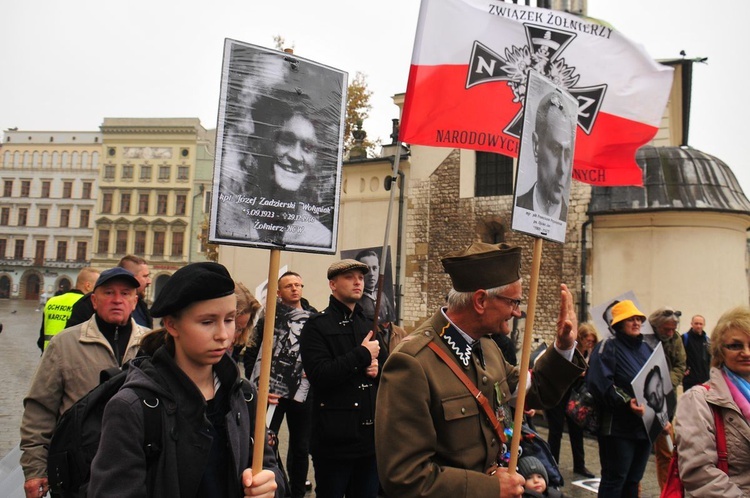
71,364
342,359
433,438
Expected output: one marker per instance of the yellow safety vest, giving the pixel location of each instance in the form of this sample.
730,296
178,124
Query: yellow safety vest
56,313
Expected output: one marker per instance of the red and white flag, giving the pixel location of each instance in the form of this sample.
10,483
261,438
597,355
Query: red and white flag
467,83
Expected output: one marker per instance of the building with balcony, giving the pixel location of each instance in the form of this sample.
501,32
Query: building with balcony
146,196
49,186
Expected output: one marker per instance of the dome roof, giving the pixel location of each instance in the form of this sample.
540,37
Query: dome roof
674,178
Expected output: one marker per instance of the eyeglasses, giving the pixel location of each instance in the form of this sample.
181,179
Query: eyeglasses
671,312
514,303
736,347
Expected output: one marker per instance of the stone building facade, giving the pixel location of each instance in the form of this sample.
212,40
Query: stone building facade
49,181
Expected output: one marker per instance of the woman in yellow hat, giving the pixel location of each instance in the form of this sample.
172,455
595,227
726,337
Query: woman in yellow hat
624,445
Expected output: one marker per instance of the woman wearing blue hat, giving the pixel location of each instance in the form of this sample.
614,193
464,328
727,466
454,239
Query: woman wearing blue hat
207,422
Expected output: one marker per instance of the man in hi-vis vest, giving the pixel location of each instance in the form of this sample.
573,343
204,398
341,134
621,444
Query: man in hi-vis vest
58,308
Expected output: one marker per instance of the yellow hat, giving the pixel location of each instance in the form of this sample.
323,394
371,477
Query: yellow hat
624,310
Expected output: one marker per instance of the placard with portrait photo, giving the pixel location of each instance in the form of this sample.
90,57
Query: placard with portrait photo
653,390
371,257
545,161
279,149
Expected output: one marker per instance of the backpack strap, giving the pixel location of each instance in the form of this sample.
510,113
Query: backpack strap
152,424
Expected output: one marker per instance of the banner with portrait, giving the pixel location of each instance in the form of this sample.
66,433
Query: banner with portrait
545,162
279,149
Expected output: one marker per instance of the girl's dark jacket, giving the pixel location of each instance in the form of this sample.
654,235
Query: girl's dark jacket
120,469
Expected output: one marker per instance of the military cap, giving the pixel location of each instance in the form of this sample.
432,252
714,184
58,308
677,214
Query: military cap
483,266
345,265
117,273
192,283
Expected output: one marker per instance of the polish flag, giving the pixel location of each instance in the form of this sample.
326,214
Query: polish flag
467,83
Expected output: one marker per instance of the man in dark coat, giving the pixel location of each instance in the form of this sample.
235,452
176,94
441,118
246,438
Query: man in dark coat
342,357
433,439
697,352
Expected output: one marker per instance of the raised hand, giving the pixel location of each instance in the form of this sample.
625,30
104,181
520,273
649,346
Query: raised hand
567,322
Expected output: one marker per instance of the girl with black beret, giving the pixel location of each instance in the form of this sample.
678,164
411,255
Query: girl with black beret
207,415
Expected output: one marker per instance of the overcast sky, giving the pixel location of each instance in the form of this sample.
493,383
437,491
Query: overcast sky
68,65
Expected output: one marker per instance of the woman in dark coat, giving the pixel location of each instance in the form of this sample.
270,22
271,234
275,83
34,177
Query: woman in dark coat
624,446
207,414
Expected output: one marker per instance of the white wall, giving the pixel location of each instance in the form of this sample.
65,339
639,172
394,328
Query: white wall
692,261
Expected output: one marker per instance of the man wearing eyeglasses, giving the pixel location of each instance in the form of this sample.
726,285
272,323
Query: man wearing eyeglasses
292,312
665,322
432,437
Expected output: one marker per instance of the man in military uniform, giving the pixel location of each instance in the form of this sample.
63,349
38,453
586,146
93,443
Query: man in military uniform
432,437
342,359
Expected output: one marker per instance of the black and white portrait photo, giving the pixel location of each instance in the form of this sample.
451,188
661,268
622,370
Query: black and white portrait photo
545,162
279,150
371,257
653,388
286,378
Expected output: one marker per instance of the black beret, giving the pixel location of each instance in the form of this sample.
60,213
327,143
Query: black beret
346,265
483,266
192,283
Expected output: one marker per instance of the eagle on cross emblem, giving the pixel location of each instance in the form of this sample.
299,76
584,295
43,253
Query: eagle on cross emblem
543,54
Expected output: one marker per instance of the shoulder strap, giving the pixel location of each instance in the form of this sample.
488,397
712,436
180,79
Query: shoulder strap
152,424
480,398
721,440
721,437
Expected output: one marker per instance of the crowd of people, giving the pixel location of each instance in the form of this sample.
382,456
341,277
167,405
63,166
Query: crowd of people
379,412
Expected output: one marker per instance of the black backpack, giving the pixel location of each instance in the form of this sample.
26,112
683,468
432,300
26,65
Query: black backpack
76,437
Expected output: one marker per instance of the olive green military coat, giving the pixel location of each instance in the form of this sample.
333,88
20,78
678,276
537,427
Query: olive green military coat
432,438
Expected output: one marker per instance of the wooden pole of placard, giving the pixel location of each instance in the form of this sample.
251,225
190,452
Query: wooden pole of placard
525,355
384,252
266,352
265,361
